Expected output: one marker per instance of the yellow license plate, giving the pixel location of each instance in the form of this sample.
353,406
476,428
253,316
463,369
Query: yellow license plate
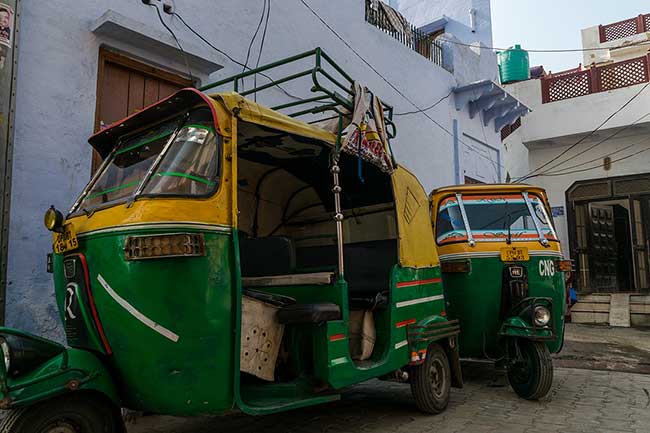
66,240
514,254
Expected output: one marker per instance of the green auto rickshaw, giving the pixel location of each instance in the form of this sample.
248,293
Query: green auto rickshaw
227,257
503,270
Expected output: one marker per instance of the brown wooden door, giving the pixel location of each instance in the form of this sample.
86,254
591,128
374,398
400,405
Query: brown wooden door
126,86
602,247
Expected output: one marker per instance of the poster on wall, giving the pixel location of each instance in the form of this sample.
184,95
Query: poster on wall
6,25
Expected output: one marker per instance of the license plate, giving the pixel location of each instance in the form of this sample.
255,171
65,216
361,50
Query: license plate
66,240
514,254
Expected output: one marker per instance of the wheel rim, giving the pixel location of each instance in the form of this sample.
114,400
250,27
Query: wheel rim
437,378
61,427
522,371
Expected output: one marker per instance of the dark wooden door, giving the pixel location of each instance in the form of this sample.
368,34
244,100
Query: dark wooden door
602,247
126,86
640,216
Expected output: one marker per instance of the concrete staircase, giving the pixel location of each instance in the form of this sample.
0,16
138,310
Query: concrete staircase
616,309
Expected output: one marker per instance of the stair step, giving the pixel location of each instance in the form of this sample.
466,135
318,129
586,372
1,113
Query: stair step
619,310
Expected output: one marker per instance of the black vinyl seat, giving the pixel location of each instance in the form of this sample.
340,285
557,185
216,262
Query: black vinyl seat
302,314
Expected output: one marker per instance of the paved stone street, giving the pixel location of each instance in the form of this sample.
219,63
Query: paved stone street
580,401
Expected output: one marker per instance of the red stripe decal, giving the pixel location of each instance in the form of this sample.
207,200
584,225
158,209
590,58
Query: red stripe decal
93,308
337,337
418,282
404,323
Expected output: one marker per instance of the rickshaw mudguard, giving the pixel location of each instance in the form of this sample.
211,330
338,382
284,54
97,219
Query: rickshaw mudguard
440,330
520,328
67,370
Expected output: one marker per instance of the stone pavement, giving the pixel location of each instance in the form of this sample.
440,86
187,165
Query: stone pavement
579,401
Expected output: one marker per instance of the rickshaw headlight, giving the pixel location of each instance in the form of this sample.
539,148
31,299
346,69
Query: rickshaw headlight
6,352
53,219
541,316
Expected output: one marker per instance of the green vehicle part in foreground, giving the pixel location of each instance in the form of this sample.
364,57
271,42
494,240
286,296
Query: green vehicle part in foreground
206,206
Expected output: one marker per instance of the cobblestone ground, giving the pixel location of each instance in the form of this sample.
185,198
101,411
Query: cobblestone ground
580,401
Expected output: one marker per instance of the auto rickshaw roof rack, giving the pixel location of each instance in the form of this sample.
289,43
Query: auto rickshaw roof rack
332,86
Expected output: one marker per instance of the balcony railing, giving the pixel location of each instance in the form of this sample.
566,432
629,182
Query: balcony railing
565,85
625,28
420,42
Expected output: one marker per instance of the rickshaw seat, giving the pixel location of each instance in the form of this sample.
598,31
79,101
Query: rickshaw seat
301,314
314,278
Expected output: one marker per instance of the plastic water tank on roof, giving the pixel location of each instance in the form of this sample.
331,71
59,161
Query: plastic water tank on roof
513,65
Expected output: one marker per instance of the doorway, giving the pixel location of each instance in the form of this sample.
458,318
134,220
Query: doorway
608,222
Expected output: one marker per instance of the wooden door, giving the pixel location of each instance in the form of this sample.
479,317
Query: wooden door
602,247
125,86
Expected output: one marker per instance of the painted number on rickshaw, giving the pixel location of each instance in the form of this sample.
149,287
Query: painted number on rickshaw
546,268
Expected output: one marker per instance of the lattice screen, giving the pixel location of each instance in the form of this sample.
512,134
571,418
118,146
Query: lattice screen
623,74
568,86
622,29
647,23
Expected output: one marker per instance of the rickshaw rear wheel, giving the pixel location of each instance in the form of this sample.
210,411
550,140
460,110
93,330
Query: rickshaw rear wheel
74,413
531,376
431,381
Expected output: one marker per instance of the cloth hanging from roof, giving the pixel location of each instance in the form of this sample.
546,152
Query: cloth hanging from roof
366,136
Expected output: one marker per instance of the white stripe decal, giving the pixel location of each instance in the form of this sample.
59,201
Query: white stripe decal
401,344
418,301
338,361
135,313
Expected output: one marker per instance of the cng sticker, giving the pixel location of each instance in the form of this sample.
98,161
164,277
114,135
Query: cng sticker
546,268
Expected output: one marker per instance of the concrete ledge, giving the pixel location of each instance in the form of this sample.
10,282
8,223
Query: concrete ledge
116,26
589,317
619,310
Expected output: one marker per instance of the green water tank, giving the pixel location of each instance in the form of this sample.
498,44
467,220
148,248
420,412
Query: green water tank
514,64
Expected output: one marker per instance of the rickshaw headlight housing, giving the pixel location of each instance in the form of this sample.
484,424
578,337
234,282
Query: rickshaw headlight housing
53,220
6,353
541,315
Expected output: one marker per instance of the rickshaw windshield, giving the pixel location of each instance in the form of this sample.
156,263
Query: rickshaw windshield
493,218
181,153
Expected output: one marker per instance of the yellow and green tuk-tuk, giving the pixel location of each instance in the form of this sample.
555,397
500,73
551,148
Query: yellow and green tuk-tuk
502,270
228,257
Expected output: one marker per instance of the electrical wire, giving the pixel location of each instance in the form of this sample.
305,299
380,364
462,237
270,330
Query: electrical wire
618,131
550,50
596,166
257,30
595,159
406,113
228,56
399,92
171,32
583,138
259,54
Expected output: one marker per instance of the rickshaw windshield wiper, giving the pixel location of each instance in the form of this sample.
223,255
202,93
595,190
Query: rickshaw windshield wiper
463,213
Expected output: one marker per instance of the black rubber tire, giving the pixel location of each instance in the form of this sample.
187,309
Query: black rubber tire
431,381
533,378
76,413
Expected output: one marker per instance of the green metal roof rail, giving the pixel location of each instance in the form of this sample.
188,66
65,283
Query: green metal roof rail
334,91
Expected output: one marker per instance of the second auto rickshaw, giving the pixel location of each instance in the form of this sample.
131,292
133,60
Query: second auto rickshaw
503,274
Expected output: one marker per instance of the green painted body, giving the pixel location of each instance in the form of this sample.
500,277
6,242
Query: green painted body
73,368
199,300
474,298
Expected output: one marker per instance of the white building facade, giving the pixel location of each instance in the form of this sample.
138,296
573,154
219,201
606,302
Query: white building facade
83,65
587,142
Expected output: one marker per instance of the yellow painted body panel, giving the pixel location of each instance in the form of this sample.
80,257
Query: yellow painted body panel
416,242
249,111
463,247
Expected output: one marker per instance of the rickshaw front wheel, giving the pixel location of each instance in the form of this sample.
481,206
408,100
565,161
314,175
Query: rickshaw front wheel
531,373
74,413
431,381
